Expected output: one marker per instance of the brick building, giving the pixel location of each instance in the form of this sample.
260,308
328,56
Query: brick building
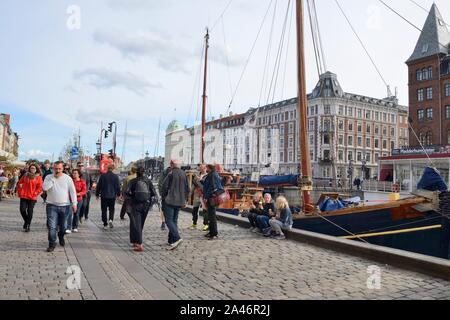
429,84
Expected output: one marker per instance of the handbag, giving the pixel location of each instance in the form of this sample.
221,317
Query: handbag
219,197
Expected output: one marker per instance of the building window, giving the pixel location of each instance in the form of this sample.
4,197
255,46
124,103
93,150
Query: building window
377,156
350,126
291,156
429,93
341,110
368,128
281,156
282,130
368,143
350,155
377,130
419,75
447,112
424,74
341,125
327,109
341,140
430,73
392,132
447,89
430,114
281,142
359,141
358,156
420,114
341,155
448,136
350,111
291,142
291,128
311,125
384,131
359,113
359,127
326,155
377,116
368,156
392,145
367,114
311,140
350,140
420,95
326,139
384,144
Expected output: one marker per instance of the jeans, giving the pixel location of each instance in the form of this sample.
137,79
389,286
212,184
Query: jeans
56,217
252,218
262,222
26,210
87,200
73,219
277,225
195,215
171,215
107,204
212,220
138,215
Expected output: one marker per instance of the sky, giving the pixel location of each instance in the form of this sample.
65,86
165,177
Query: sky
67,66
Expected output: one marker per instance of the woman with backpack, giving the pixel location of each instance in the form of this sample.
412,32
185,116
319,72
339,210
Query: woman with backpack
28,188
141,194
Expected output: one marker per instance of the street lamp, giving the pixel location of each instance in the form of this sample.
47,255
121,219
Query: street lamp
99,151
350,173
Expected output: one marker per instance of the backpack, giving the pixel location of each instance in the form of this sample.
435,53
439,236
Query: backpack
142,192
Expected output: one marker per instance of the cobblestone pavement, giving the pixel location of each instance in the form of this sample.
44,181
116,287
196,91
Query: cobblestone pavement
239,265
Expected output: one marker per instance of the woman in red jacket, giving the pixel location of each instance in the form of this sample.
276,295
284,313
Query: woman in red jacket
29,188
80,187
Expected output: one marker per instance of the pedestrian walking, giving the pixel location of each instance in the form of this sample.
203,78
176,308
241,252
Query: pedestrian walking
163,176
126,206
175,190
80,188
84,213
141,195
108,189
29,188
61,198
211,187
197,193
46,170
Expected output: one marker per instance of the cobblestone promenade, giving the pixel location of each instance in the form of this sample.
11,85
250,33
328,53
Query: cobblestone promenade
239,265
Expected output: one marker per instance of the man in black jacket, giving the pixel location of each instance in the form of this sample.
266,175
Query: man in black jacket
108,188
141,194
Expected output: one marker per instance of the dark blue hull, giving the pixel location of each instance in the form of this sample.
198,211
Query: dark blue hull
432,242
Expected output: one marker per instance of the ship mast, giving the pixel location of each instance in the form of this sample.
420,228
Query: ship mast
305,182
204,96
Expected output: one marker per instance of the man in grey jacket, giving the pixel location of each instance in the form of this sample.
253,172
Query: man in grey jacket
61,196
175,191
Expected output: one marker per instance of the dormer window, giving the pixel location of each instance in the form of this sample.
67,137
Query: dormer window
441,23
425,48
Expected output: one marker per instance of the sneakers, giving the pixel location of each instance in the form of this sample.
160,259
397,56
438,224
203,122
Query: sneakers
139,248
75,230
68,231
193,227
212,238
175,244
279,237
105,226
50,249
111,224
163,226
205,228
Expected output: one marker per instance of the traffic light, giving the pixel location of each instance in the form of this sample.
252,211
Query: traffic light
111,153
110,125
106,134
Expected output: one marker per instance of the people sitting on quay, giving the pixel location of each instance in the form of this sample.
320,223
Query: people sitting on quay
281,221
262,220
256,209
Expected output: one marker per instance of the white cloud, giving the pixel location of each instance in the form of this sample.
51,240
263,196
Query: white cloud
106,79
97,115
34,154
168,55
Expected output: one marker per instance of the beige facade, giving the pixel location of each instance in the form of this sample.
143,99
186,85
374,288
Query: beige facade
9,140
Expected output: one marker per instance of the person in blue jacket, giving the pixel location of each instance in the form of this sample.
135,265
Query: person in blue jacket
212,184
